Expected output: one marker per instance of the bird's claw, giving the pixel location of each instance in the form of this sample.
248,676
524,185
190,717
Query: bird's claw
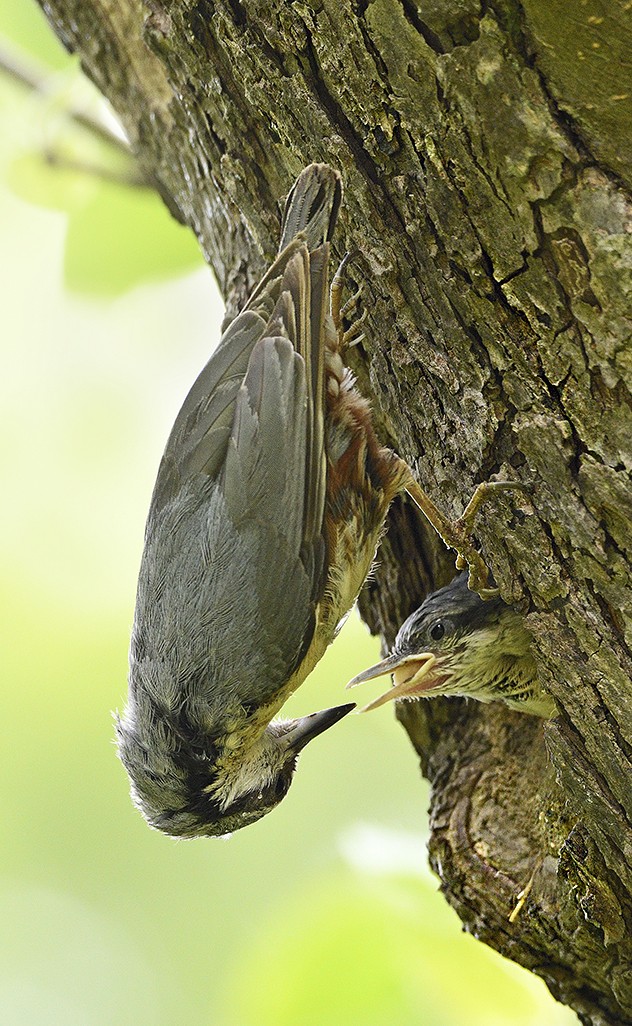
457,534
463,529
353,335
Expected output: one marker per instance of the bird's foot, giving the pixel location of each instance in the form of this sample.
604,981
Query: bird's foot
344,312
457,534
463,529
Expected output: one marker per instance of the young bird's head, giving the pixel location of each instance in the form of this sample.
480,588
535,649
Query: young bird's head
458,644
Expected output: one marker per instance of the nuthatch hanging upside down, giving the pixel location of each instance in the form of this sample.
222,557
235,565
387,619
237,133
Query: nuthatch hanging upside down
266,514
456,644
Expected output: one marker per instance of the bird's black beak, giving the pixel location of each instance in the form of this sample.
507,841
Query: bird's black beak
303,730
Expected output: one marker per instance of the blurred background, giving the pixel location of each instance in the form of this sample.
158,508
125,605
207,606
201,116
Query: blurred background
321,913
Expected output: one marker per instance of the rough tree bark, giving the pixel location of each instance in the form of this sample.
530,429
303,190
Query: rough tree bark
486,151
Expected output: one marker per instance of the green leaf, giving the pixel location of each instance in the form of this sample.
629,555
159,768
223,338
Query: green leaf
123,237
56,188
24,23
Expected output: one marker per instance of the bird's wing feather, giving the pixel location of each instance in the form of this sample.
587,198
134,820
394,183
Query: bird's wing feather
226,596
285,303
263,477
206,429
235,542
301,314
198,439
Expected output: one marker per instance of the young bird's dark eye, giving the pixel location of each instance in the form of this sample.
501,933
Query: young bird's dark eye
437,630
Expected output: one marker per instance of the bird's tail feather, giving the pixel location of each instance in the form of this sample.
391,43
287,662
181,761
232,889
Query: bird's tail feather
312,206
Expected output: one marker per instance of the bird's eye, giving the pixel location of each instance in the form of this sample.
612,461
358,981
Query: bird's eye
437,630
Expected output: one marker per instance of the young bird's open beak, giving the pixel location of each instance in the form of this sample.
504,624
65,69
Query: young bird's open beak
408,677
306,728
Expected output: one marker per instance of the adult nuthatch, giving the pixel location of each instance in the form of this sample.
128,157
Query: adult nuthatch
266,514
456,644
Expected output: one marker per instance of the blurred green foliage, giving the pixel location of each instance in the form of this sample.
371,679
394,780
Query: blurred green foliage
55,161
320,914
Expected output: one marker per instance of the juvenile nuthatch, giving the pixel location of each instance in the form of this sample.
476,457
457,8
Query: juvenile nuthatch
265,518
456,644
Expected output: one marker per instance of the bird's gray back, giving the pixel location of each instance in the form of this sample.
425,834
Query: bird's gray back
194,607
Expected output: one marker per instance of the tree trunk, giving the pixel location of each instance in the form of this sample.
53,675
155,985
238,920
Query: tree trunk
486,155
